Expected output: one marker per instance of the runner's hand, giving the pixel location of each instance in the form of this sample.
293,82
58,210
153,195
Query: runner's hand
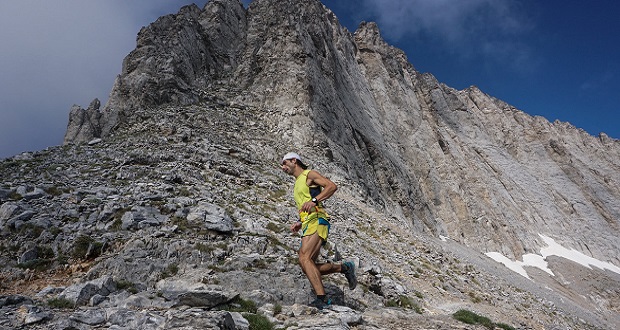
308,206
296,227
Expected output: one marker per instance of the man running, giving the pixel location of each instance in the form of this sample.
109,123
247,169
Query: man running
311,188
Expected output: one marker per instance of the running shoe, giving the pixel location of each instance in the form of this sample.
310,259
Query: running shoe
350,274
320,303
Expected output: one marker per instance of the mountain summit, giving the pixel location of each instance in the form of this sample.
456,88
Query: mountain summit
171,194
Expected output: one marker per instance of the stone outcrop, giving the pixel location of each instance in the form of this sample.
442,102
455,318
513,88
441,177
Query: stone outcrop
175,213
84,124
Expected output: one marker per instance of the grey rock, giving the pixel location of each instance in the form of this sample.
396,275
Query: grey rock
5,193
14,300
141,217
9,210
239,321
34,194
206,298
84,125
29,255
18,220
35,315
212,217
80,294
90,316
48,291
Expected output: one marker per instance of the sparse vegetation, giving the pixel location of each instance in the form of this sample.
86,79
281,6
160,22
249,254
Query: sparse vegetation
274,227
469,317
204,248
474,298
248,309
60,303
36,264
277,309
170,271
126,285
86,247
258,322
15,196
404,302
240,305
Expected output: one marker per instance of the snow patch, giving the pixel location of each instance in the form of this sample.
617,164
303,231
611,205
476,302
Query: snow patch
552,249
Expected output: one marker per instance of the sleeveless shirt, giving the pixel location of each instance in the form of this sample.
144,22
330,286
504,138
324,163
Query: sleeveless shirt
301,193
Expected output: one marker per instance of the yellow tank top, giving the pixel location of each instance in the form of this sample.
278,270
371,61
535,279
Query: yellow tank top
301,193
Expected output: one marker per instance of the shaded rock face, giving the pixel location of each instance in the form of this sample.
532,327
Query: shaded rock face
177,206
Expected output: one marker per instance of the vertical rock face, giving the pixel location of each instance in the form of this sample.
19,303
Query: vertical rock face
455,163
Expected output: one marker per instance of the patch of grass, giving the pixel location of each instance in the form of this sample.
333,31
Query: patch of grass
469,317
70,219
278,194
204,248
55,231
126,285
184,191
86,247
36,264
170,271
504,326
274,227
15,196
277,309
475,299
31,230
60,303
258,322
240,305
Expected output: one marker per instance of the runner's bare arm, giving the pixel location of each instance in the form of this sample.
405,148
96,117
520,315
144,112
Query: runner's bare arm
329,188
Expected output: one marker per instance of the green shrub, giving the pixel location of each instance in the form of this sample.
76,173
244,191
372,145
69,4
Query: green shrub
54,191
204,248
258,322
36,264
15,196
468,317
277,309
170,271
126,285
242,306
274,227
60,303
86,247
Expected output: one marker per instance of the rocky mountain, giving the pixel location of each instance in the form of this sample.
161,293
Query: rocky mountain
167,209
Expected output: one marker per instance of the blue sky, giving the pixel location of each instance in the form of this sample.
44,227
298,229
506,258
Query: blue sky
557,59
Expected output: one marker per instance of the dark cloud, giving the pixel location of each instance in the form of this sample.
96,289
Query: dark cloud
60,53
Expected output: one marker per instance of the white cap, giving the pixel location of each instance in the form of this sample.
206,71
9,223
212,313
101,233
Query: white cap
291,155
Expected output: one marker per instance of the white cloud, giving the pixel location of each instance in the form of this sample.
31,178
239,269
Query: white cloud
467,28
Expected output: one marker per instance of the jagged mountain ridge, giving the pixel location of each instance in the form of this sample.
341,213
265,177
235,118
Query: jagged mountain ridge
436,160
